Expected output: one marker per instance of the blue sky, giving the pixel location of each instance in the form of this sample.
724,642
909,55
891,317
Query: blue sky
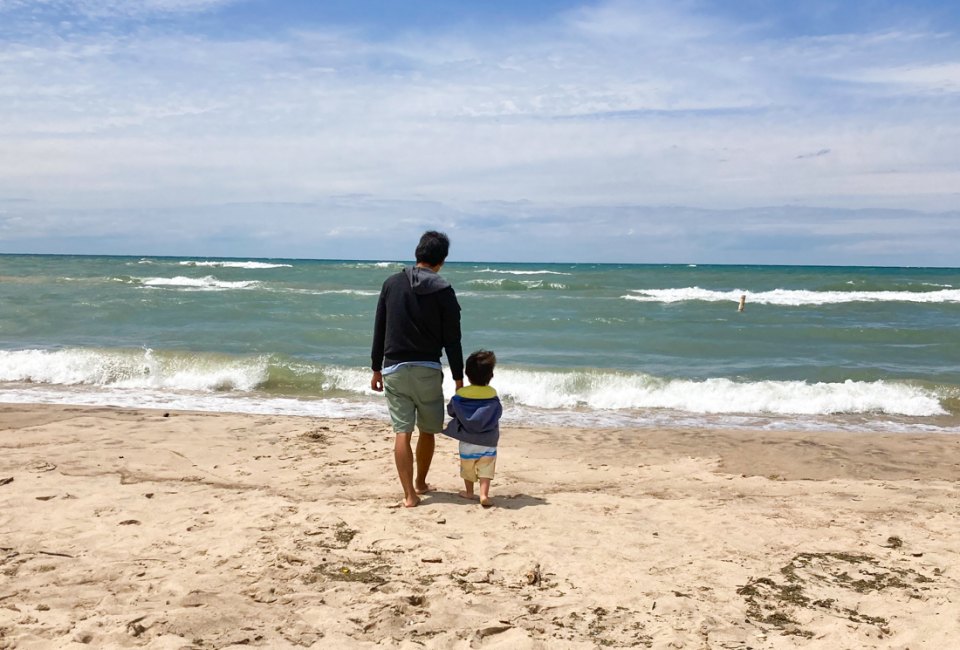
749,131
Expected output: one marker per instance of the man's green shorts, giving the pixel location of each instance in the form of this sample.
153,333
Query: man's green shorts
415,397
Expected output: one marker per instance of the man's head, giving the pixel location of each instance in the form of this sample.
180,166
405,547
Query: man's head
479,367
433,248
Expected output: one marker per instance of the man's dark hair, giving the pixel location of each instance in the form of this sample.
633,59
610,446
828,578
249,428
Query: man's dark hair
479,367
433,248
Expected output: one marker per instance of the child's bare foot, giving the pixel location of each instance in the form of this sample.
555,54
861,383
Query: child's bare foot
467,495
486,502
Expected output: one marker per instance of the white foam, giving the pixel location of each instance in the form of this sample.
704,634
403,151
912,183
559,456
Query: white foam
614,391
791,297
131,369
236,265
327,292
217,403
206,283
374,265
594,391
345,292
506,283
511,272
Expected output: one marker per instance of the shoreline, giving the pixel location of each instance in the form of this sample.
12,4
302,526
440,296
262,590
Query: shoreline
126,528
520,416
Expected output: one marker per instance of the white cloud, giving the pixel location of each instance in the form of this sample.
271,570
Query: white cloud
616,104
935,78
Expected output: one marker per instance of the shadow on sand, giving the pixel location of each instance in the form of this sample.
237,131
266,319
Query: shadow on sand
504,501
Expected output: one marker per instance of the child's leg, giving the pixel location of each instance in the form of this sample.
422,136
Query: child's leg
468,473
484,491
486,468
467,491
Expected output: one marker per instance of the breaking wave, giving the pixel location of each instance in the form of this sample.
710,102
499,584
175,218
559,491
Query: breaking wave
791,297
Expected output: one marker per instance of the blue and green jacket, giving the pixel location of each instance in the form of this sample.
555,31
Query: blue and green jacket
476,412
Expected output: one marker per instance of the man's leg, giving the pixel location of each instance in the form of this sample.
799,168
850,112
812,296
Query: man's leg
425,446
396,386
403,456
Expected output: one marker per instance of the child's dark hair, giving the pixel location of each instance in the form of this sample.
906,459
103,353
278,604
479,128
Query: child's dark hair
479,367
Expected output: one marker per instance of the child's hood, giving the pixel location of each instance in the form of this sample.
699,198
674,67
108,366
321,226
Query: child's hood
478,408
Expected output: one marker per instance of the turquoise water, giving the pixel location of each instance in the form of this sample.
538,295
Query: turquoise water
595,345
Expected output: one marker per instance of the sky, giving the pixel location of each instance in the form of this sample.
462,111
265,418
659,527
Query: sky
646,131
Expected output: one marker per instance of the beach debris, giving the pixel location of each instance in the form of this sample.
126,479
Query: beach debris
432,559
893,542
344,534
364,573
134,628
534,577
265,596
473,576
493,629
40,466
129,522
318,435
839,579
5,481
46,498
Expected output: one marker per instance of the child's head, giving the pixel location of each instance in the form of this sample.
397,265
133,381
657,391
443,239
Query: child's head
479,367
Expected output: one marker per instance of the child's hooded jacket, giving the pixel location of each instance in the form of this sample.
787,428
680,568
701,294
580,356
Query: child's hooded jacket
476,412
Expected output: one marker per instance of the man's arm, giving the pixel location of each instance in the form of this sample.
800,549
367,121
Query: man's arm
451,334
379,343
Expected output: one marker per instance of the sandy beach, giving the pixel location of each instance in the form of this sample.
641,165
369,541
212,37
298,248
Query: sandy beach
153,529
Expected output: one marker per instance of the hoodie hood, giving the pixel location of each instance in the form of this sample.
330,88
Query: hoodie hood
424,281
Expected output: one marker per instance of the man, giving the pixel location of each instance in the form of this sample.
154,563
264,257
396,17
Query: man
417,316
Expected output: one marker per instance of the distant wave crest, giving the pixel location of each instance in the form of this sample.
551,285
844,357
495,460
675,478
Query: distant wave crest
790,297
508,284
207,283
514,272
236,265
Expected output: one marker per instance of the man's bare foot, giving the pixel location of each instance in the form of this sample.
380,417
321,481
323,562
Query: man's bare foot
467,495
426,487
486,502
412,502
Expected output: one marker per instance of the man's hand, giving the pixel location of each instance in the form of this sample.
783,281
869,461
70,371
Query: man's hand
377,382
458,383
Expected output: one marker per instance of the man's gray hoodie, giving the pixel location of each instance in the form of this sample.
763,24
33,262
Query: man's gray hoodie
418,317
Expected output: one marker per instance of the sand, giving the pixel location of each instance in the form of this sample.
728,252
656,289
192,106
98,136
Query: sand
123,529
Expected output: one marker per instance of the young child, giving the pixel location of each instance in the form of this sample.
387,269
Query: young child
476,411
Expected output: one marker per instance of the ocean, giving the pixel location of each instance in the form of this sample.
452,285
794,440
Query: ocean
588,345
